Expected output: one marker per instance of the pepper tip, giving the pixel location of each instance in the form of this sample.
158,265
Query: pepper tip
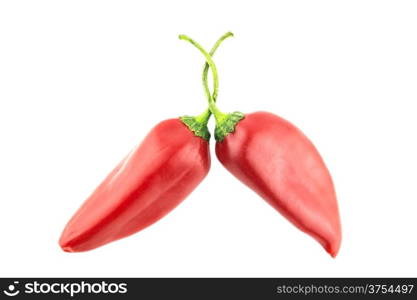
333,249
65,245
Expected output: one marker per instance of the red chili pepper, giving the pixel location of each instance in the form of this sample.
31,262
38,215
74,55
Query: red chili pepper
276,160
151,181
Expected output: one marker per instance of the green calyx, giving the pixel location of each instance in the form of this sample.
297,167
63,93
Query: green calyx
198,125
225,123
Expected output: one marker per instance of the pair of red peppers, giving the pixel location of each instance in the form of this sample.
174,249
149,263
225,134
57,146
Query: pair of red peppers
264,151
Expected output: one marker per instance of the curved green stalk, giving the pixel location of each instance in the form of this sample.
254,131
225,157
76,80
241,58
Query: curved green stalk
198,124
218,115
206,66
225,123
206,114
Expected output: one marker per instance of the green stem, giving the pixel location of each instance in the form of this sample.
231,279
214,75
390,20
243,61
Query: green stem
198,124
218,115
225,123
206,66
206,114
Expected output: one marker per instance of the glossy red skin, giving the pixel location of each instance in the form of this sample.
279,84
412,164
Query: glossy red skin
277,161
151,181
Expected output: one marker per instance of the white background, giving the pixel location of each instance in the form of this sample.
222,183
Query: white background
82,82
